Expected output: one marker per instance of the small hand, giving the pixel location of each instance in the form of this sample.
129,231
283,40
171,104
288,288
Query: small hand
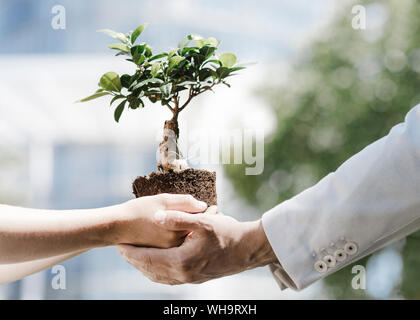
135,223
217,246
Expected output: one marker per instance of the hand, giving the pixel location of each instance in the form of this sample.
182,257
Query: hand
217,246
135,225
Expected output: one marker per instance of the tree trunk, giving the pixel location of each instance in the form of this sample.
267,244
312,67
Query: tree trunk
169,157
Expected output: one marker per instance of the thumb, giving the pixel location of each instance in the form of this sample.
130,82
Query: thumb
183,202
178,220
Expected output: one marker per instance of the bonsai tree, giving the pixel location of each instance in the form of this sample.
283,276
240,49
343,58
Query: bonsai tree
194,68
172,79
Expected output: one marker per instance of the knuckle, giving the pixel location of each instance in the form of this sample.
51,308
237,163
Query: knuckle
164,198
175,220
207,227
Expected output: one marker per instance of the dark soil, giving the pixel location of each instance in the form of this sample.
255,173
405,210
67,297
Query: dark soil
201,184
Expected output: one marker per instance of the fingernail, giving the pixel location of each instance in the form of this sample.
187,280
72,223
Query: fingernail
160,216
202,205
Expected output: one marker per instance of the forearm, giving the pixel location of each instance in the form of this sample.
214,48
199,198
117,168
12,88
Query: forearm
15,271
29,234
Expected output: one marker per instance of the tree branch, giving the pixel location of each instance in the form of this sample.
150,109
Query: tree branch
190,96
170,108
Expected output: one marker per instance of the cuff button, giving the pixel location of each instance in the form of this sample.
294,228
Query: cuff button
350,248
340,255
330,261
321,266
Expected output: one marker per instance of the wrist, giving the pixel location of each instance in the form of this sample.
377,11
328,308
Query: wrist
110,231
260,252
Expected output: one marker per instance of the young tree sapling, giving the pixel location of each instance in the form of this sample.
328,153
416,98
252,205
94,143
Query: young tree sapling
172,78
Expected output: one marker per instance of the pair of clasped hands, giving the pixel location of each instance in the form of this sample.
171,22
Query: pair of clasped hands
170,238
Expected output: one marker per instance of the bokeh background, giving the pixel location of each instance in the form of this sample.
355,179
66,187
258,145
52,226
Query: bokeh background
321,91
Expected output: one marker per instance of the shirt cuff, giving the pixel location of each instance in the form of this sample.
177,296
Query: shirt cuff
281,276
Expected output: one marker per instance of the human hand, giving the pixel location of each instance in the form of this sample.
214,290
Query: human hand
135,224
217,246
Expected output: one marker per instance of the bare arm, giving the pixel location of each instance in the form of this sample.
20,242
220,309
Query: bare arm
16,271
31,234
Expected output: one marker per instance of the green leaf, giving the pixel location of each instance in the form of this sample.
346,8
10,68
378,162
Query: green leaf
116,98
194,36
226,84
93,96
197,60
110,81
166,89
228,60
138,32
212,41
158,56
199,42
148,51
207,51
236,69
116,35
135,85
138,49
184,42
119,46
222,72
189,51
212,61
134,102
205,73
186,83
119,110
125,80
155,69
174,61
139,59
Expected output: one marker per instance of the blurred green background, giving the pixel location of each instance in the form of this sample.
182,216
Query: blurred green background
346,89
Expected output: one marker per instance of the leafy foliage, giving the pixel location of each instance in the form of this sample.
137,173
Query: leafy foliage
194,67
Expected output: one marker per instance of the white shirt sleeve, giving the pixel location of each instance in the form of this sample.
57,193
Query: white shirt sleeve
369,201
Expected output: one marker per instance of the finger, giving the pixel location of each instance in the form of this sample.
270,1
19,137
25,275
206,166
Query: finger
178,220
144,257
212,210
156,264
183,202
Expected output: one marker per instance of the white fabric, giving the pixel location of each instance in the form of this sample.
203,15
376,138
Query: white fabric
370,200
